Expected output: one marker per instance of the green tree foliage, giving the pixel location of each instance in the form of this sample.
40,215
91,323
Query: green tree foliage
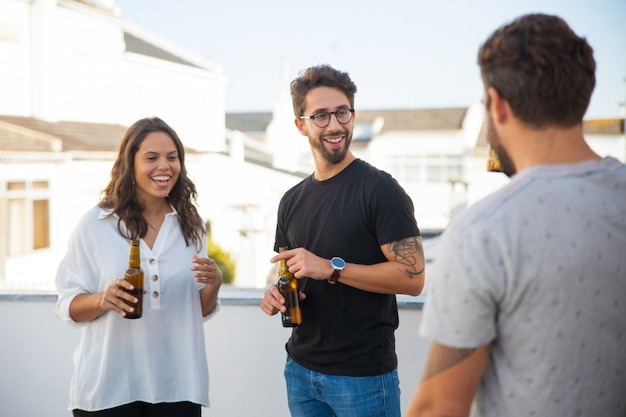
224,261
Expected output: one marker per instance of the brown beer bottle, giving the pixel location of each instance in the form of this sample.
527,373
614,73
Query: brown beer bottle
493,162
288,287
134,275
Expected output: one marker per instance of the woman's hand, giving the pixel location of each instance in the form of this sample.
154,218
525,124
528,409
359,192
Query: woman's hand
206,271
115,298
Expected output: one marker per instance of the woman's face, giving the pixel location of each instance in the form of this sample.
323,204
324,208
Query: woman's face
157,166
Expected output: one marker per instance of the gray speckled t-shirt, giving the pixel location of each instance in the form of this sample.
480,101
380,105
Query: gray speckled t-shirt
539,270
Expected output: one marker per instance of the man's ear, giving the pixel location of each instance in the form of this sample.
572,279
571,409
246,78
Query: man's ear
499,109
300,126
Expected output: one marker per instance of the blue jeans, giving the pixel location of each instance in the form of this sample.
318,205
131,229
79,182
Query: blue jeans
312,394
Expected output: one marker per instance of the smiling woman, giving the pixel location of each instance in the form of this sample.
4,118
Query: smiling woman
150,199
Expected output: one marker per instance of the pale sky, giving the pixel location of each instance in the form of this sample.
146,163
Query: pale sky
400,53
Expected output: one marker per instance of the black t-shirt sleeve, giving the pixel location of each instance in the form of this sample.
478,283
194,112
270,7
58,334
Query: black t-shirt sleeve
394,212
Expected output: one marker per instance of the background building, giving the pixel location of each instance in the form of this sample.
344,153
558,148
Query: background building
74,76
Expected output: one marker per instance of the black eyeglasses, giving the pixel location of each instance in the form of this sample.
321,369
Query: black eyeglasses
322,119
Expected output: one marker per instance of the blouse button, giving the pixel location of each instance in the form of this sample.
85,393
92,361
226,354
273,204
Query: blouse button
155,277
152,261
155,294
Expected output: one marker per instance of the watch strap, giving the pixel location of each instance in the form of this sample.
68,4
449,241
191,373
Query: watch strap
334,276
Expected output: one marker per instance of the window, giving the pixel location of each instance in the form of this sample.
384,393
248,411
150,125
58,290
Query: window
41,224
426,168
24,209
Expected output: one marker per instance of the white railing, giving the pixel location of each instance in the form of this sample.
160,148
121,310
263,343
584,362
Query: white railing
245,350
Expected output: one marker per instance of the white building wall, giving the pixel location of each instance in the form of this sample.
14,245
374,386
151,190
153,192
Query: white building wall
188,99
15,58
63,60
433,200
76,62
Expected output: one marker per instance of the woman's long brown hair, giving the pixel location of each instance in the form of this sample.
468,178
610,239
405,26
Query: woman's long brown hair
119,195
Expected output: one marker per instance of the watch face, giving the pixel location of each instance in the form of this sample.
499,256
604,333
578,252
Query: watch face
338,263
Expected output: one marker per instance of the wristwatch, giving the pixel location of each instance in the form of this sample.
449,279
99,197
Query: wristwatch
338,265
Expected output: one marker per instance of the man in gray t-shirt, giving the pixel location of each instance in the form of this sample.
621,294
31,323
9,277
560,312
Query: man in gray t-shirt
527,308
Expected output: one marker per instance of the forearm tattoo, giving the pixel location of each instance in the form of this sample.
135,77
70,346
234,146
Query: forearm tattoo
442,358
409,252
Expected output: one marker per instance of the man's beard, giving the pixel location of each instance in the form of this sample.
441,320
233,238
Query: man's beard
506,164
333,156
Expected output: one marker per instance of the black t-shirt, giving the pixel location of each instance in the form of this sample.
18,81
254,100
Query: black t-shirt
345,331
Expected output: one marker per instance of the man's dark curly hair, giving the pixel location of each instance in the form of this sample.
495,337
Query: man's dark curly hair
542,68
319,76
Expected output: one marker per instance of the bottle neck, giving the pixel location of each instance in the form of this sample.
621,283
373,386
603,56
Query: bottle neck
134,259
282,268
282,265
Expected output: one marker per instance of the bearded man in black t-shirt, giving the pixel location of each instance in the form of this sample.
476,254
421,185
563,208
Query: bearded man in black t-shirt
354,245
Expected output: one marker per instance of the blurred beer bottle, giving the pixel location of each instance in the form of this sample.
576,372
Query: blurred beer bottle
493,162
134,275
288,287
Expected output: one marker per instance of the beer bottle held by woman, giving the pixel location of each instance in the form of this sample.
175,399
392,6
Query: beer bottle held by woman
134,275
288,287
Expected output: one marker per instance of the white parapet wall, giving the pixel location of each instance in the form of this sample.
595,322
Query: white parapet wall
245,350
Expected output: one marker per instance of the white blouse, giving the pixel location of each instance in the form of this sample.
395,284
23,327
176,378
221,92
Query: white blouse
160,357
